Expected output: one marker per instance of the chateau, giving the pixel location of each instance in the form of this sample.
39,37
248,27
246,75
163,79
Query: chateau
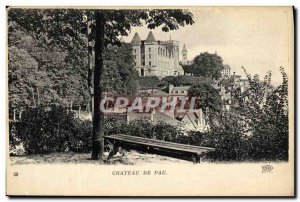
157,58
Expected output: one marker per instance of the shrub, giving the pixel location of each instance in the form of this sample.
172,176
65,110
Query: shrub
140,128
114,125
45,130
81,138
15,144
148,82
196,138
167,132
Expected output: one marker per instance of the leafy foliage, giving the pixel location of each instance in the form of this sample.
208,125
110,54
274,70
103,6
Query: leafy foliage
37,74
185,80
14,140
206,65
52,130
119,73
145,128
227,82
256,128
67,27
148,82
207,96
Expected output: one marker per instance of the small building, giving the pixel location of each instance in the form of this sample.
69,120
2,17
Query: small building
226,71
178,91
194,121
154,93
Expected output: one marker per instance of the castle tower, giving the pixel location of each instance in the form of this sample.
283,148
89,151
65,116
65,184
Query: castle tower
155,57
184,55
136,47
149,54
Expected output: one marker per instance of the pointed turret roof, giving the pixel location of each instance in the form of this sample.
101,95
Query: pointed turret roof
184,48
150,37
136,39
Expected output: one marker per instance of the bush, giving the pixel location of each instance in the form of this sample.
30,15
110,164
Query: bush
114,125
81,139
140,128
43,130
148,82
167,132
15,144
160,131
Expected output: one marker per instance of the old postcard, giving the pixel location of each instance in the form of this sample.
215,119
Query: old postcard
150,101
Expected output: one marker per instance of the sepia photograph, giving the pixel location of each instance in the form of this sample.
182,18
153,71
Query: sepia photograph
154,96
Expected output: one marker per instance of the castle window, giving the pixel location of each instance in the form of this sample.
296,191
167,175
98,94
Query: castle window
134,63
135,57
182,91
149,55
149,49
134,50
150,63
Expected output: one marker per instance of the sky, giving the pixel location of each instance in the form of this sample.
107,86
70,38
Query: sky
259,39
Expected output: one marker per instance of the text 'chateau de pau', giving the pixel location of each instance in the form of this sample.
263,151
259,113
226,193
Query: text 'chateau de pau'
157,58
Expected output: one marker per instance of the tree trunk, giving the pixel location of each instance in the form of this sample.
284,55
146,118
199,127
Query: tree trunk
90,64
98,131
90,55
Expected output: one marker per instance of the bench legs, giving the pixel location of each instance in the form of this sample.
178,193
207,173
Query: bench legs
115,147
196,158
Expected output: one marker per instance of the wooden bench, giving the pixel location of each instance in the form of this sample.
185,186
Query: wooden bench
196,152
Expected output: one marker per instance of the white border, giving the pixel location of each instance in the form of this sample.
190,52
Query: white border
3,37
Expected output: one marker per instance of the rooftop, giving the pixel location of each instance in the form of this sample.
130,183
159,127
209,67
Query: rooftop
136,39
180,88
226,67
150,37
